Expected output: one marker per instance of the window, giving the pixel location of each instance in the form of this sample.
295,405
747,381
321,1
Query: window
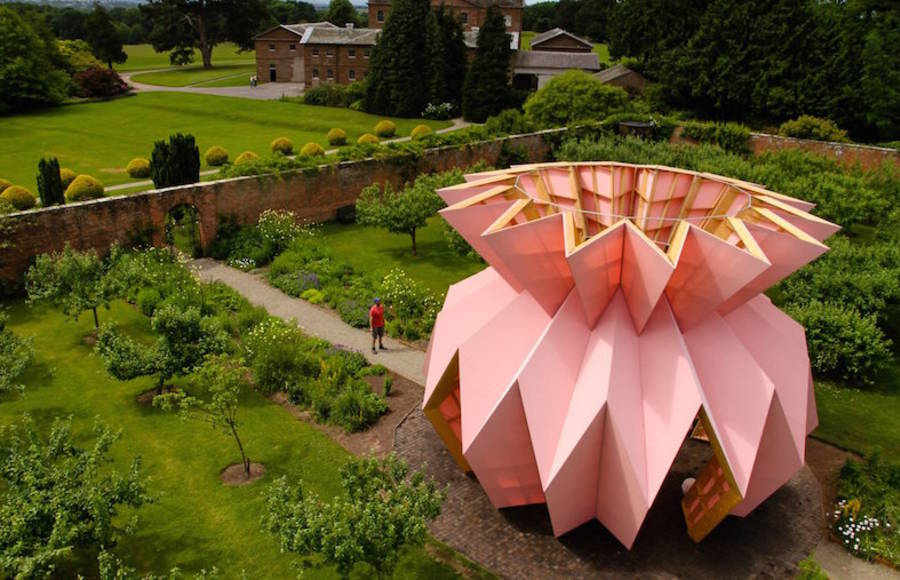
464,17
352,74
330,74
351,52
507,20
380,16
316,52
271,47
292,47
315,73
329,52
366,53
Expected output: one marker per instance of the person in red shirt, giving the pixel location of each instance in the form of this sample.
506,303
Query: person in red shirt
376,323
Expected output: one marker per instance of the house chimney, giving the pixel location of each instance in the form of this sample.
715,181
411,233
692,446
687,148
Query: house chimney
349,25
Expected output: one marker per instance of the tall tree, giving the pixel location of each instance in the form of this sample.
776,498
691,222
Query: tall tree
102,35
448,58
180,26
486,90
30,66
342,12
395,85
284,12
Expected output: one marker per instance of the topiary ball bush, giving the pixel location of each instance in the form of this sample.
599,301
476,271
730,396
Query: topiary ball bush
84,187
283,145
337,137
312,149
19,197
420,131
367,139
4,184
386,129
216,156
138,167
67,176
246,157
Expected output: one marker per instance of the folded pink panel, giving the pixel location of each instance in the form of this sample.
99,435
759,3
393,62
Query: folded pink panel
597,270
646,271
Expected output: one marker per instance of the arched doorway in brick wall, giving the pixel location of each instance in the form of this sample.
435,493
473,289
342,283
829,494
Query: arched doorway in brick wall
183,230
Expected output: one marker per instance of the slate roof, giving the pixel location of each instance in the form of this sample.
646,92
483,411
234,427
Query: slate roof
337,35
557,60
554,32
614,72
298,29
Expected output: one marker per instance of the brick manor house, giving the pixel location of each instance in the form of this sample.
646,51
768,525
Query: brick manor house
321,52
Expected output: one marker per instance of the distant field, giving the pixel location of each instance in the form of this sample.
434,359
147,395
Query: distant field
197,75
101,138
602,50
143,57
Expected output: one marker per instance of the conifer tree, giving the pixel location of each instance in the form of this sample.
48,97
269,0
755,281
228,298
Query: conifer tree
448,54
487,91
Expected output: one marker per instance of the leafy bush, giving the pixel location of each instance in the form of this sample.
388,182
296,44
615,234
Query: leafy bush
356,407
573,96
809,127
147,301
509,122
385,129
843,343
176,162
337,137
313,296
334,95
15,355
420,131
283,146
138,167
246,157
367,139
438,112
387,385
99,82
216,156
67,176
50,187
19,197
354,312
732,137
312,150
84,187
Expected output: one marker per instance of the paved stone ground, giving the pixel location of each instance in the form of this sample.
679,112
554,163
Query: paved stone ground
518,542
264,92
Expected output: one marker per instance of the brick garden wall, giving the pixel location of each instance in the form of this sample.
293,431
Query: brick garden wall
847,153
312,195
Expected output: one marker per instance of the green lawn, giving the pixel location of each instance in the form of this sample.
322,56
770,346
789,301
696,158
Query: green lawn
195,522
858,420
376,251
194,75
602,50
143,57
101,138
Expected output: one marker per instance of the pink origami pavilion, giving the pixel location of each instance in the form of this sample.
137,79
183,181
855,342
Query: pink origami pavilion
621,304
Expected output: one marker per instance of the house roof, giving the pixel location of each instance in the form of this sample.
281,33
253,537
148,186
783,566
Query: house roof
554,32
479,3
614,72
557,60
298,29
470,37
337,35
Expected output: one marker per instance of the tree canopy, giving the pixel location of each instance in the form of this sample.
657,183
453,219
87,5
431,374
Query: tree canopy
15,355
30,65
104,38
572,96
341,13
448,58
486,90
72,281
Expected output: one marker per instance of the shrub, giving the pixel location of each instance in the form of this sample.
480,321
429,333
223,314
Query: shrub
84,187
283,145
313,150
420,131
809,127
385,129
388,385
439,112
246,157
509,122
354,312
337,137
4,184
67,176
356,406
147,301
176,162
313,296
138,167
367,139
216,156
334,95
99,82
732,137
843,344
573,96
50,187
19,197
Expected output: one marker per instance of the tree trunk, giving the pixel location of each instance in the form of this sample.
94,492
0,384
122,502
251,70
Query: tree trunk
205,46
245,461
413,236
159,384
96,320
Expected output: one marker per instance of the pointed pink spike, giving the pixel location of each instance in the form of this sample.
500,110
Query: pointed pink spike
646,271
708,271
596,269
501,456
471,222
812,415
486,378
776,460
812,225
470,305
736,393
547,380
456,193
535,254
671,393
786,253
778,345
621,505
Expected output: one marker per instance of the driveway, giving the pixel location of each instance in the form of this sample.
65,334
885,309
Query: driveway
265,91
